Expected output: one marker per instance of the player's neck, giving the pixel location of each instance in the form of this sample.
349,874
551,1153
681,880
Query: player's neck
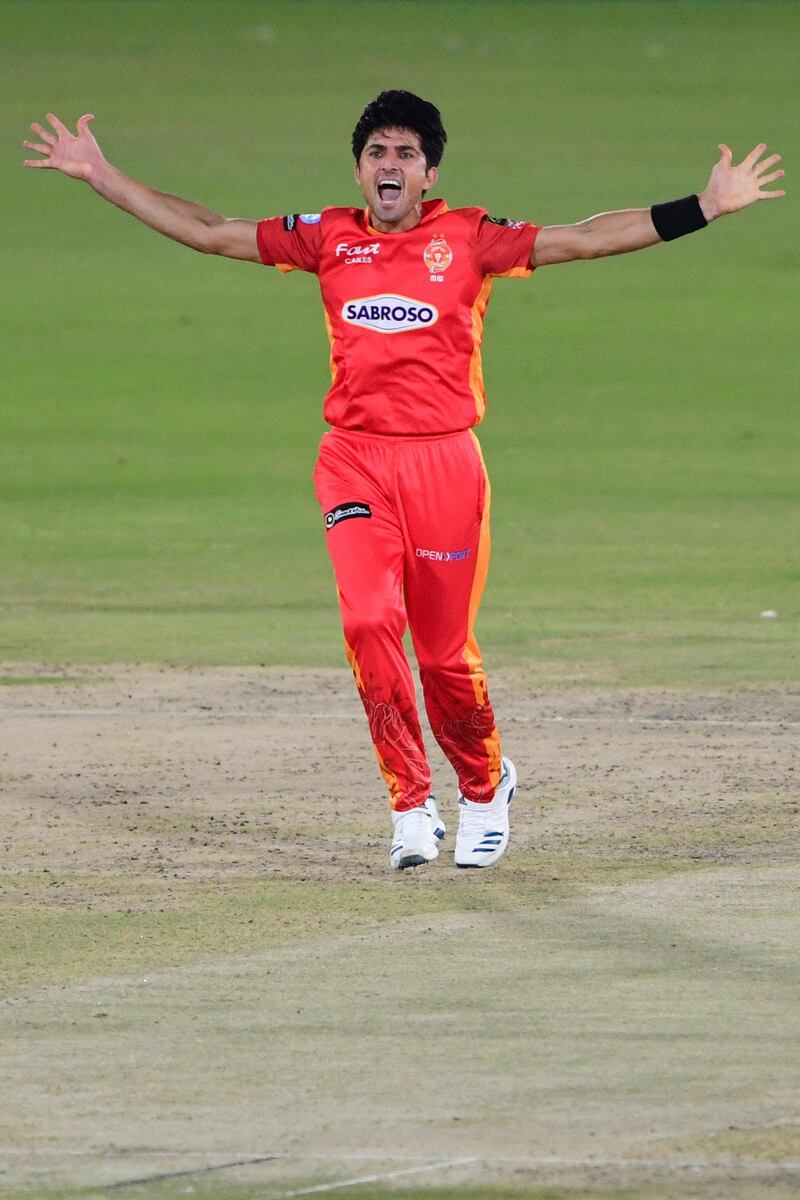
409,221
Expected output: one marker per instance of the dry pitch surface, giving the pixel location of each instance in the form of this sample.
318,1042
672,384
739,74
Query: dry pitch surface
209,960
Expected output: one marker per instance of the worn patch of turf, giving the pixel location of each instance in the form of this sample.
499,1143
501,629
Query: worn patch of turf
24,680
123,926
57,927
217,1189
781,1141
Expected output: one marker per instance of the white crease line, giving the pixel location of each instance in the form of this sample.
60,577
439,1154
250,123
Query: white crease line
564,1162
160,713
111,1152
712,721
108,712
332,1187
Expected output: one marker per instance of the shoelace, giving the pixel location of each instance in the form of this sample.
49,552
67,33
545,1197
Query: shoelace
415,818
474,822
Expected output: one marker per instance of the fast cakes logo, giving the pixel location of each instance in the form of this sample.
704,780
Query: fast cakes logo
358,253
437,257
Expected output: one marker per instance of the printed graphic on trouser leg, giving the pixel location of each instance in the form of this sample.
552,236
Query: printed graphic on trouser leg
483,829
397,738
464,726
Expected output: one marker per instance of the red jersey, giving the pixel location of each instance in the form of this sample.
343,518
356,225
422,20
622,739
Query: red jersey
404,311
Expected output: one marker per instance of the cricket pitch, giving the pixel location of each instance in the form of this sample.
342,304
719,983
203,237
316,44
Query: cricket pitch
216,985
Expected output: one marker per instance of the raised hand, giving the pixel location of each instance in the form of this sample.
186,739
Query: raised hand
77,155
730,188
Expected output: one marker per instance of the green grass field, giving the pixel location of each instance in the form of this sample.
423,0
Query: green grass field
161,411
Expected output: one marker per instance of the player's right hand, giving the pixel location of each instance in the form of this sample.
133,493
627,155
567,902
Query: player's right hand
77,155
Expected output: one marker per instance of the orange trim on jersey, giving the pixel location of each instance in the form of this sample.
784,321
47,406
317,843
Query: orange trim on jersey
475,365
334,370
472,654
391,780
515,273
433,213
286,267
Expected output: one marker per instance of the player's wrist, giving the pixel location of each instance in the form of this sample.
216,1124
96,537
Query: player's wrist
676,218
708,205
101,176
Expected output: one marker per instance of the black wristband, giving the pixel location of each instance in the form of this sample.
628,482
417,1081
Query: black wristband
678,217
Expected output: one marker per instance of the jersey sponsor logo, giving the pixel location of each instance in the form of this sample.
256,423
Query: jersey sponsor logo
389,314
506,221
346,512
358,254
290,221
437,257
310,218
442,555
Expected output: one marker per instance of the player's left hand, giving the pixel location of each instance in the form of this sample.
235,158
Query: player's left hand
730,188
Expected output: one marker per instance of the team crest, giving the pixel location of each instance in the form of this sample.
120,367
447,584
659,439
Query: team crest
438,257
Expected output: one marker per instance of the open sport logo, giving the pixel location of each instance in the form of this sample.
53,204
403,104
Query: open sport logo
389,314
442,555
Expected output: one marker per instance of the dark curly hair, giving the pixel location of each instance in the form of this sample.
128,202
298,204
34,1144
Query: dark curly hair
403,110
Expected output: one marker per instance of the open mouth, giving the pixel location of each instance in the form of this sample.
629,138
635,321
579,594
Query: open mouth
389,189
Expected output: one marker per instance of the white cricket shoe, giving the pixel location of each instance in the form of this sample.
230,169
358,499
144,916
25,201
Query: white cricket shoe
483,829
416,836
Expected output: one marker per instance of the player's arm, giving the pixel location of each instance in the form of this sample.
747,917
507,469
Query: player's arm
80,157
729,189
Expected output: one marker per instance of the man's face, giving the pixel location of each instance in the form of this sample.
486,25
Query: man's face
392,175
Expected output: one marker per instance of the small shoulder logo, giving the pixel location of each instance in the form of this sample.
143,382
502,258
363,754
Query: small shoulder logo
437,257
346,512
310,218
505,221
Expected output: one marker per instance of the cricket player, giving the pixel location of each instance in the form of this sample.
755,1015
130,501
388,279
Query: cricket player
405,282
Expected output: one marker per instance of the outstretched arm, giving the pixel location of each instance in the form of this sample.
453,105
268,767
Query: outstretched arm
80,157
729,189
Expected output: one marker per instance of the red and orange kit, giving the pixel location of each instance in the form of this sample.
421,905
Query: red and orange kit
400,477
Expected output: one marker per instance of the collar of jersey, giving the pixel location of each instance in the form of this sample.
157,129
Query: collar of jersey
431,209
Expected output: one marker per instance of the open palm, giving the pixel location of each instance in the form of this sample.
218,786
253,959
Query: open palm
731,187
76,155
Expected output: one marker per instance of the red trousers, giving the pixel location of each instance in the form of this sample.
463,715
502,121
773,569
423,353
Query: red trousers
407,526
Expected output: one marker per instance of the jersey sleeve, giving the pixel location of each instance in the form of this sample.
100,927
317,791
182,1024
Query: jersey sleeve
503,248
290,243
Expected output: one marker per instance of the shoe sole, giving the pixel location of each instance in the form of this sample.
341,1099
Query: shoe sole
413,860
487,862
